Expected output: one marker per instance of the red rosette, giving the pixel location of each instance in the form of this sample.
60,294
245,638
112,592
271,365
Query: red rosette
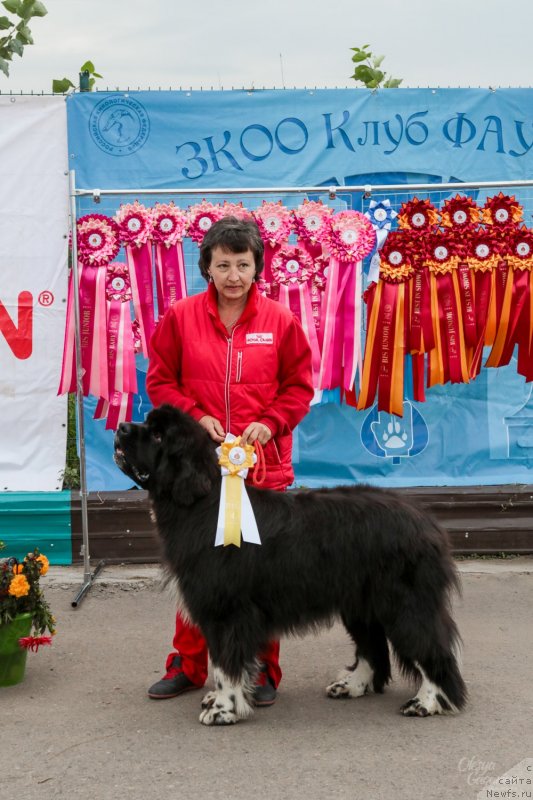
460,213
440,252
351,236
418,215
169,224
137,338
135,223
312,221
98,240
519,248
275,222
292,266
396,258
483,250
502,211
200,219
118,286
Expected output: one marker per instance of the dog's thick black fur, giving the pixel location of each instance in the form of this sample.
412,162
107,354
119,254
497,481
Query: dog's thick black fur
361,554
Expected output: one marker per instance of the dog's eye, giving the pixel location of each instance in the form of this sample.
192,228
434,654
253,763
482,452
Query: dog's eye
156,436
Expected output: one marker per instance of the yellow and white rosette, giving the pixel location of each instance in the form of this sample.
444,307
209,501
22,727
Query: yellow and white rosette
235,513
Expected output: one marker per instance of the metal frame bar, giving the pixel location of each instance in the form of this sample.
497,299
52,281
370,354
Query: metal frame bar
88,577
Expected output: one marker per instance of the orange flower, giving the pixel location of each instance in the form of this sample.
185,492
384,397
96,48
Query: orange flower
19,586
17,569
44,564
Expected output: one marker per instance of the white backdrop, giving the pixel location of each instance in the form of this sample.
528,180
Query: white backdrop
33,290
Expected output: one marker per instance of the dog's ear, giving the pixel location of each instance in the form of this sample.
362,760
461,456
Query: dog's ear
187,464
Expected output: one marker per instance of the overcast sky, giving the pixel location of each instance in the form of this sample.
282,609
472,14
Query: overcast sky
243,43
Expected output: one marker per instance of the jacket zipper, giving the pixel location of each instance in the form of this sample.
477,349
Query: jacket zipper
228,378
239,367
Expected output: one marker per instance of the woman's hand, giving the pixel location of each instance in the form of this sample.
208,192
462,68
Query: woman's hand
256,431
213,427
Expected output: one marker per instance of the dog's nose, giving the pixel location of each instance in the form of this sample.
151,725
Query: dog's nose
125,428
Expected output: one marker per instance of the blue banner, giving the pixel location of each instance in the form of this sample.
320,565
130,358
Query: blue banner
479,433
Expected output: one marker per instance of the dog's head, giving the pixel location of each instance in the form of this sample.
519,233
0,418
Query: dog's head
169,455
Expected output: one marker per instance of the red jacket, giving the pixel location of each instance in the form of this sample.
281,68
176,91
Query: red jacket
261,372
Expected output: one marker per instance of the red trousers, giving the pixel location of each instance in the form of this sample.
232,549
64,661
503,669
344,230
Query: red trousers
191,646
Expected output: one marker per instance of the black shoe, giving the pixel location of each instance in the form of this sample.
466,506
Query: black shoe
172,687
264,694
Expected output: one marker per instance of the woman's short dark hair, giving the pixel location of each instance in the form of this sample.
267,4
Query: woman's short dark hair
234,236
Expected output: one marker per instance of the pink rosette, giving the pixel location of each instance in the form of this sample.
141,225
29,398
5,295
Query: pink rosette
122,375
236,210
293,269
275,225
136,229
201,217
169,224
312,221
351,238
135,223
274,221
98,242
170,228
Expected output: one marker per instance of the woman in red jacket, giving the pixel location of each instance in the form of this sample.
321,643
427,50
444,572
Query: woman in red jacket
238,363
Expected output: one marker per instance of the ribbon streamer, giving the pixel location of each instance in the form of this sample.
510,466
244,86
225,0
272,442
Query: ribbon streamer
169,230
235,513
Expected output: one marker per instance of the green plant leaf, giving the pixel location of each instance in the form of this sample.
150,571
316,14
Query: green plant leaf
392,83
39,9
12,5
97,75
5,23
87,67
360,56
4,66
364,73
24,33
62,86
376,61
16,46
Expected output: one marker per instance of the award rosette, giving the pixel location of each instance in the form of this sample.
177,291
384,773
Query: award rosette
235,513
236,210
312,221
122,374
460,213
293,269
381,215
350,239
200,218
419,216
483,255
169,230
450,359
502,211
386,341
275,223
515,323
136,225
98,243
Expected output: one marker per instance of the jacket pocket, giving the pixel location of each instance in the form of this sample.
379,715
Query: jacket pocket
238,371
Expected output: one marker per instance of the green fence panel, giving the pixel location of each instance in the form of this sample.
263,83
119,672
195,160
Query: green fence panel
36,519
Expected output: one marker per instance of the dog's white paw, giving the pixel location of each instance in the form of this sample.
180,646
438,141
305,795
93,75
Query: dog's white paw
218,716
353,683
209,699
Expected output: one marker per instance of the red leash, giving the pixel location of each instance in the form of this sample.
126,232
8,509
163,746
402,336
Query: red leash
260,468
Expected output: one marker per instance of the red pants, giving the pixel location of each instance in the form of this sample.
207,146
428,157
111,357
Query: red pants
191,646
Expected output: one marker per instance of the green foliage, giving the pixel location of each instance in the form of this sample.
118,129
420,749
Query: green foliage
87,80
367,70
17,34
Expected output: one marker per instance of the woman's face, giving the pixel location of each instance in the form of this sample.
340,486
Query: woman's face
232,273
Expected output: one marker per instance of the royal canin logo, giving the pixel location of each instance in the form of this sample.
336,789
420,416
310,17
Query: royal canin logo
19,337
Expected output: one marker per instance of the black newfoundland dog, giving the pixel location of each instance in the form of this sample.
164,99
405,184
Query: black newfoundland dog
360,554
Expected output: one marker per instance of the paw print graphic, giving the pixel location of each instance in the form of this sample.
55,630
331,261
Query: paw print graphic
393,435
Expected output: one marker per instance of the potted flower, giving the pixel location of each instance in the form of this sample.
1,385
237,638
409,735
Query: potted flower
25,615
